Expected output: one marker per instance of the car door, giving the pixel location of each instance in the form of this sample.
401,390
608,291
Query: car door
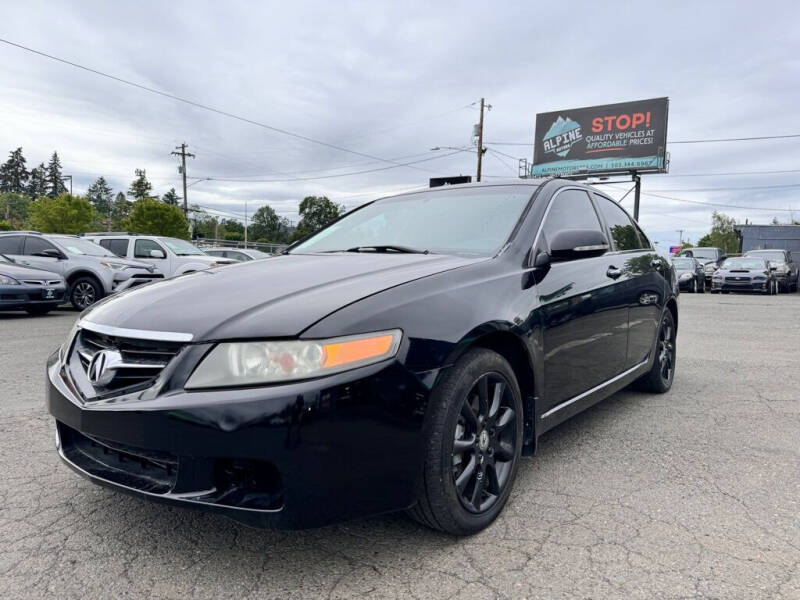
33,246
642,282
142,248
584,321
11,246
118,246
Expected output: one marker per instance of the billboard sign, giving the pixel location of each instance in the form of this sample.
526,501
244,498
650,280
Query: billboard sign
614,138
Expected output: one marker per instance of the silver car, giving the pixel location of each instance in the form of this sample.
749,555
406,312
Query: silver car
91,271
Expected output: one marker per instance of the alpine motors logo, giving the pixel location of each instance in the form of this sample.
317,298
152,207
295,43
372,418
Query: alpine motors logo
561,136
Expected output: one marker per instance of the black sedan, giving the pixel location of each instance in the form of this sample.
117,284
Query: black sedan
690,274
745,274
404,358
33,290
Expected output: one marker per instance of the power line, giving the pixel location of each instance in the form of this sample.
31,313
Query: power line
732,188
706,141
199,105
732,173
498,158
236,180
716,204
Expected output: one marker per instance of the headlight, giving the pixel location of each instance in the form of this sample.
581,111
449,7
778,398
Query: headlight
68,342
213,264
6,280
251,363
114,266
710,268
685,276
717,276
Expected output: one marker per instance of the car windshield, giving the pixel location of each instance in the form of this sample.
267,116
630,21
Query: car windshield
472,221
773,255
744,263
181,247
258,254
683,263
82,247
700,253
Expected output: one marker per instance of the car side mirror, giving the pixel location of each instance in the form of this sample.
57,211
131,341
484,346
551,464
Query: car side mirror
572,244
157,254
773,268
51,253
542,260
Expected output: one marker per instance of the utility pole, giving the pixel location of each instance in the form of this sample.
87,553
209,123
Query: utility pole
182,170
245,223
680,231
480,139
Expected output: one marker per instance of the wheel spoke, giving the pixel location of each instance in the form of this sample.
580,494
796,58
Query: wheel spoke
499,390
466,475
504,452
469,415
507,416
492,483
477,490
462,445
483,396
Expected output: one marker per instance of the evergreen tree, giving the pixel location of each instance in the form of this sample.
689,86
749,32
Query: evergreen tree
120,210
37,186
13,173
55,184
99,195
171,197
140,188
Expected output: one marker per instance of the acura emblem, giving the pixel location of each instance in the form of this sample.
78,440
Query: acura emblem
103,367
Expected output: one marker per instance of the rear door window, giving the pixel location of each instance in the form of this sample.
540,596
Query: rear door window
118,247
623,230
10,244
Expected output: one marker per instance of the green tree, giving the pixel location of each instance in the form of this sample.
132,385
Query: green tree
13,173
722,234
140,188
315,213
37,185
53,177
171,197
267,225
62,214
14,208
231,226
6,226
157,218
120,210
99,195
233,236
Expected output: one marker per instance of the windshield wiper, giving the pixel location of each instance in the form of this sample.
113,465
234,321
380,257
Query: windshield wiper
387,248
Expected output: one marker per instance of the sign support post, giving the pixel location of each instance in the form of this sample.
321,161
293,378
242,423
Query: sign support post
637,191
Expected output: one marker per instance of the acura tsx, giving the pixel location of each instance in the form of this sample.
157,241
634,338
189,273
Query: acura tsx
405,357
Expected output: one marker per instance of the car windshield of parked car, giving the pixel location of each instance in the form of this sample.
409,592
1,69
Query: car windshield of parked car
700,253
82,247
744,263
181,247
683,263
773,255
470,221
256,254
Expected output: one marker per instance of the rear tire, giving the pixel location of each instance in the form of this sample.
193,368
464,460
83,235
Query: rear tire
694,286
84,291
473,447
659,379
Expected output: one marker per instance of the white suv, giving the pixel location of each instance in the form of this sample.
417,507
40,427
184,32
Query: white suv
170,256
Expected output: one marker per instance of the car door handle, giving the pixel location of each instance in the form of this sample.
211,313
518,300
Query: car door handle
614,272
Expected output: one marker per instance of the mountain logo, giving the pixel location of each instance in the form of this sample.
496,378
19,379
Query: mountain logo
561,136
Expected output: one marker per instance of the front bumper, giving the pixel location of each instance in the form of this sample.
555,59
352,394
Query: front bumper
685,284
292,456
740,286
24,295
124,281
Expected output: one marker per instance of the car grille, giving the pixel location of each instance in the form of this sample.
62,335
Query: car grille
738,279
143,360
39,282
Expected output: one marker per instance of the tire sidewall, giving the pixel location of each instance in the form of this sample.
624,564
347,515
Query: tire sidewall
448,398
93,283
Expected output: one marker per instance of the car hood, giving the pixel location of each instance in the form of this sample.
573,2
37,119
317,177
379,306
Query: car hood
741,272
21,272
275,297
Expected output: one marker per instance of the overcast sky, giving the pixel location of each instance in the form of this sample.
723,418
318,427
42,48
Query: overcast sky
394,80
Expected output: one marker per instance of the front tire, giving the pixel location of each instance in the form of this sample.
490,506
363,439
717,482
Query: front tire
659,379
694,286
474,445
84,292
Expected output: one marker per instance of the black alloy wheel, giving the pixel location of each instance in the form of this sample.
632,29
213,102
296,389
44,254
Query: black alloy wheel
84,292
661,374
484,443
474,430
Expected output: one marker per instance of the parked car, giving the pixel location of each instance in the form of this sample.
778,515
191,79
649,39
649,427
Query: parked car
404,357
745,274
786,270
710,258
23,288
91,272
240,254
690,274
169,256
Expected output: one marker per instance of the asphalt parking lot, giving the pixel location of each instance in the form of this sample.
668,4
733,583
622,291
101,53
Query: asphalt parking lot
695,493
